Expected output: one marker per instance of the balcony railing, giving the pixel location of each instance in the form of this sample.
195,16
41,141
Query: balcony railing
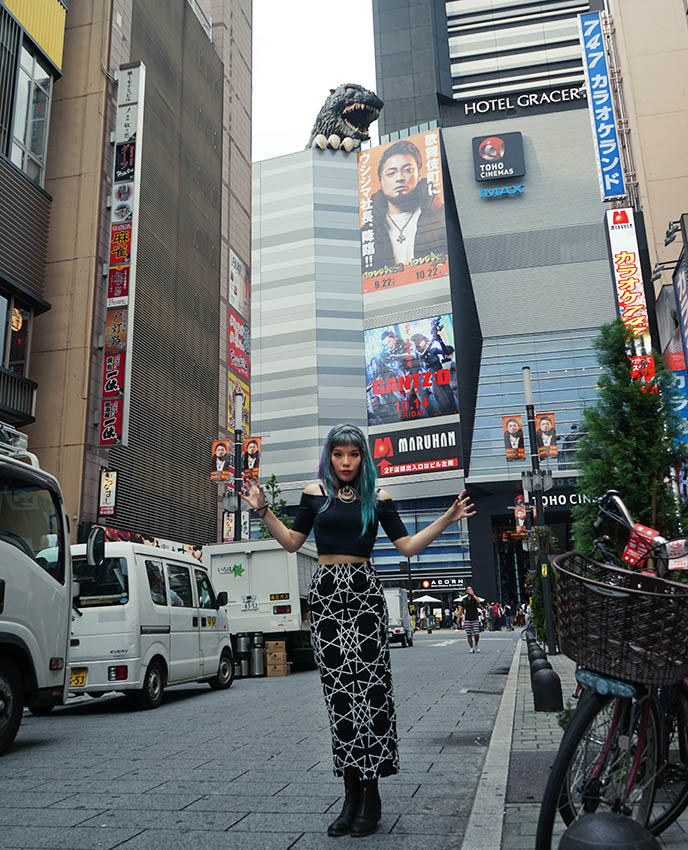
17,398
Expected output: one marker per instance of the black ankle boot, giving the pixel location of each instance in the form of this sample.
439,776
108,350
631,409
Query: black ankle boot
341,826
369,810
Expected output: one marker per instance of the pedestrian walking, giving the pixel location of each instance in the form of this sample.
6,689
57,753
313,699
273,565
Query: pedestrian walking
348,614
470,603
507,617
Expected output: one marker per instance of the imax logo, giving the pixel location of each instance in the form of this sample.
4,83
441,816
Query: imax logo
498,191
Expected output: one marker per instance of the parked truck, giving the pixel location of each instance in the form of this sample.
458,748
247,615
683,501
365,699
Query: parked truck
36,592
400,623
267,591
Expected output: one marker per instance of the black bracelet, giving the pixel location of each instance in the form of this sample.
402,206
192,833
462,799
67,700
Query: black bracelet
264,509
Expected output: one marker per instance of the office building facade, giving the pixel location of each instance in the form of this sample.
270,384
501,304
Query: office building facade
193,154
31,59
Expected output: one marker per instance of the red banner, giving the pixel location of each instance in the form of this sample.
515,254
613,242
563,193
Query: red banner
120,244
113,375
118,286
112,411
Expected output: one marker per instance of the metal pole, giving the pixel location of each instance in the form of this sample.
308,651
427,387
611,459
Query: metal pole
238,478
539,510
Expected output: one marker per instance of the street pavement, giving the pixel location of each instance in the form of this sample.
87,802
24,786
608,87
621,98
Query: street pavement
534,745
251,766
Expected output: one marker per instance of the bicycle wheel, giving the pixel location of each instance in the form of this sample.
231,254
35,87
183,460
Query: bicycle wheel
598,759
671,792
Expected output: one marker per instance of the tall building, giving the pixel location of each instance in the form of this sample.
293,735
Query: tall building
188,193
31,59
506,76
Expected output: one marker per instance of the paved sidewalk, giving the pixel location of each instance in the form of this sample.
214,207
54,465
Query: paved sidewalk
535,740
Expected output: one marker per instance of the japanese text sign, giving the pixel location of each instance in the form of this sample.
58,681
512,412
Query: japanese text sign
601,107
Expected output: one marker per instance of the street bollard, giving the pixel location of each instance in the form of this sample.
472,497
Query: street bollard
547,694
539,664
609,831
536,652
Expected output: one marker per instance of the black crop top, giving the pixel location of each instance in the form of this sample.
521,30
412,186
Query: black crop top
338,529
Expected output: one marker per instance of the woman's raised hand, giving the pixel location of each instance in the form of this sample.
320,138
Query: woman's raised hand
253,493
462,508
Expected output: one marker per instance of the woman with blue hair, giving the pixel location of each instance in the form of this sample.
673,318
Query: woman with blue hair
348,613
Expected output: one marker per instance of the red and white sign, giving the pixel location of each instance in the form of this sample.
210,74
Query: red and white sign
640,541
239,346
630,292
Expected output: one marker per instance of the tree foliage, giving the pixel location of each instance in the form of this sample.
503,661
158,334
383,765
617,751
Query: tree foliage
629,443
278,505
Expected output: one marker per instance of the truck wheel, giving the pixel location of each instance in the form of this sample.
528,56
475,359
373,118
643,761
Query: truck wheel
410,640
11,703
150,695
225,673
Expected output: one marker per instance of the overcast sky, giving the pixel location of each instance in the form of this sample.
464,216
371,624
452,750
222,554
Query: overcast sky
301,49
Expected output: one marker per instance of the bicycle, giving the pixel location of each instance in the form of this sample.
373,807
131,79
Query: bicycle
626,747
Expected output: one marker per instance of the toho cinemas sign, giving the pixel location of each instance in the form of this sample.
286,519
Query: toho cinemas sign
416,451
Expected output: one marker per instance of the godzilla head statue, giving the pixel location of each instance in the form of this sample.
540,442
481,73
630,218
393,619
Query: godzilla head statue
346,115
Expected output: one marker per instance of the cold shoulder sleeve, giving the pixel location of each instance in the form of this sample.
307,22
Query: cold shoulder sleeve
305,516
390,519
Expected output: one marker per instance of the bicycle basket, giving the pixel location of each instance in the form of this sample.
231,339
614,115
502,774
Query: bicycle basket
622,623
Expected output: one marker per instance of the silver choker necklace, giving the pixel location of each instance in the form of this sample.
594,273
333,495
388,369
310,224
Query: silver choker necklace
346,494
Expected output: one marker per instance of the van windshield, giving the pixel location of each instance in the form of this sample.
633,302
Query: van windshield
107,584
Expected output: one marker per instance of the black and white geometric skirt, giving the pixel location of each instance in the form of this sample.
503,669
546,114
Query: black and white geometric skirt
348,615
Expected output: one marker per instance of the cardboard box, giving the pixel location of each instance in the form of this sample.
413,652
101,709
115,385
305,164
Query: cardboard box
275,657
275,646
278,670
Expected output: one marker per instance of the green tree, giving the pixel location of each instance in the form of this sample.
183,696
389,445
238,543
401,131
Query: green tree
629,444
278,505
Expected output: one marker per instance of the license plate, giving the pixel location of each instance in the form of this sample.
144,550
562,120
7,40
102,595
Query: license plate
249,606
77,678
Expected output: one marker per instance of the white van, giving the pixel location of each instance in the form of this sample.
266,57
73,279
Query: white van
149,618
400,623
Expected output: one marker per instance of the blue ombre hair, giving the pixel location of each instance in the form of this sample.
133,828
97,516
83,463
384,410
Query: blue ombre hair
364,484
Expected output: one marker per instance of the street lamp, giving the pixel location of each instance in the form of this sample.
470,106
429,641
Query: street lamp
238,441
538,486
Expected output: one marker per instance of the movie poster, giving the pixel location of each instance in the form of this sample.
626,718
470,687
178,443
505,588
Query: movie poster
411,371
514,446
251,456
546,435
401,209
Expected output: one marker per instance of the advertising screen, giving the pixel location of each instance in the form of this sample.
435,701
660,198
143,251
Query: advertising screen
414,451
401,208
411,371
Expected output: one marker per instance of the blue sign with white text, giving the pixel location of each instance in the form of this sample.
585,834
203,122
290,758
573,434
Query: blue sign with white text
601,106
681,402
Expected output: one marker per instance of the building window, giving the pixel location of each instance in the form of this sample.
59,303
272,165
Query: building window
15,332
31,116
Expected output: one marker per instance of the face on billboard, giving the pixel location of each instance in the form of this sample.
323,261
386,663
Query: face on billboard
546,435
411,371
401,203
514,445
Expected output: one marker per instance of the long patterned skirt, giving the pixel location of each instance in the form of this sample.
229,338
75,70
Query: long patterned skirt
348,616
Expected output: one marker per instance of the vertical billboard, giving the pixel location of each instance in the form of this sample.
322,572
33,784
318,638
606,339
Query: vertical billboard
239,346
601,107
401,211
251,456
546,435
628,278
411,371
232,382
239,285
680,282
514,446
121,278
